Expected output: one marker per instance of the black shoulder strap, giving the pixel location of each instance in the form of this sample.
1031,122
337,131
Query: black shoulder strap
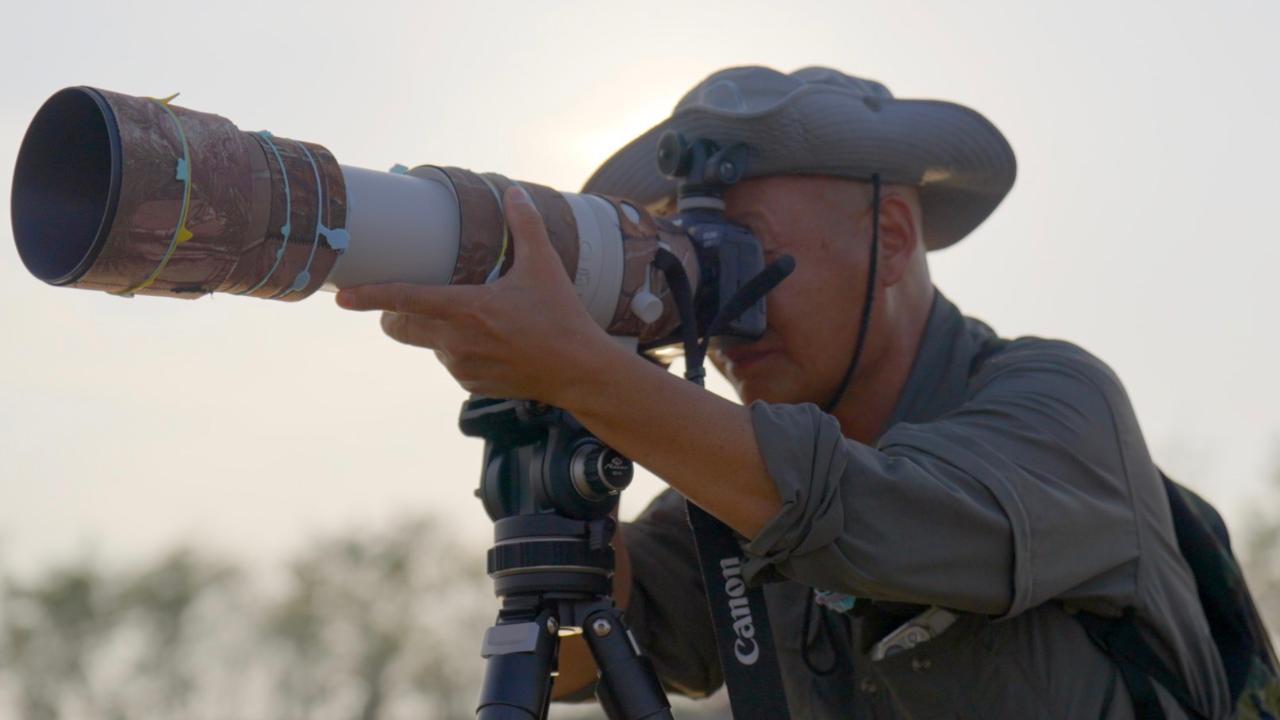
744,637
1238,631
1120,639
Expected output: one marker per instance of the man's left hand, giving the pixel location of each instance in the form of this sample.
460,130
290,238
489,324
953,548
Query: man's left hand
524,336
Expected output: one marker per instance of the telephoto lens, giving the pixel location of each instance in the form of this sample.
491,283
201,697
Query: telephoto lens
139,196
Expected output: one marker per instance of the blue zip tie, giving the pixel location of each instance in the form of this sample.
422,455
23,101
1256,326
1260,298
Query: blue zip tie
304,276
288,214
336,238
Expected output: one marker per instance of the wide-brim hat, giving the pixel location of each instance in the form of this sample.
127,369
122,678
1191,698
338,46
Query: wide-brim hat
817,121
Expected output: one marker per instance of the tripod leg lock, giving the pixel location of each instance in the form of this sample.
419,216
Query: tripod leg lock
520,655
628,687
519,638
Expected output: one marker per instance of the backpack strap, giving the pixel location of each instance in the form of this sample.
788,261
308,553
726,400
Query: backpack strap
1238,631
1120,639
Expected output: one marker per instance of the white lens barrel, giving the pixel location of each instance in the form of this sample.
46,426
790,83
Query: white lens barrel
402,228
600,257
405,227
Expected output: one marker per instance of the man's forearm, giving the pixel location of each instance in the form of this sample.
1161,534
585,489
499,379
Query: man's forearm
700,444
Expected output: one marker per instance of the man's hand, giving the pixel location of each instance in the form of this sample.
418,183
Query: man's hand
522,336
526,336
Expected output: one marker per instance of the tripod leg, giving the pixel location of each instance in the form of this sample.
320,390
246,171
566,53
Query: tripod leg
519,652
629,687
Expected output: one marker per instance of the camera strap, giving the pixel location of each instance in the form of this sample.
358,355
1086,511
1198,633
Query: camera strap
744,639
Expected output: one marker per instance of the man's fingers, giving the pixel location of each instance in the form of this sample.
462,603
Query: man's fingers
532,244
407,298
414,330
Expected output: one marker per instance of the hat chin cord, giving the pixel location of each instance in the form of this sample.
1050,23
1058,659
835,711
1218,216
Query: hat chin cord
829,407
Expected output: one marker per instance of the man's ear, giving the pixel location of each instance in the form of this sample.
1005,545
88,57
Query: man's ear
899,235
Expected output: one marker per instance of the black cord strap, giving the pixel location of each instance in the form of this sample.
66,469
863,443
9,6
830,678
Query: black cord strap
867,300
682,293
830,406
809,605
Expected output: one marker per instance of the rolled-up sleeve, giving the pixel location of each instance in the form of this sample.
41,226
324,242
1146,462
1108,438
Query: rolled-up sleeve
1017,496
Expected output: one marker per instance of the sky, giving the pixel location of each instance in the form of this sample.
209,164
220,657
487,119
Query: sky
1147,144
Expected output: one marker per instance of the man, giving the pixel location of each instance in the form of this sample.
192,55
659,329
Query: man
1006,484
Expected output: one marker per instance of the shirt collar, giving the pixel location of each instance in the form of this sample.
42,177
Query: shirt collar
939,377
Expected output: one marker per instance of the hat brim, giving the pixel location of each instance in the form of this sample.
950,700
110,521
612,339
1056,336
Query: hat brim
961,163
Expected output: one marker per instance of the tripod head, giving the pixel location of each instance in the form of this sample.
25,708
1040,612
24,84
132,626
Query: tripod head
571,472
549,486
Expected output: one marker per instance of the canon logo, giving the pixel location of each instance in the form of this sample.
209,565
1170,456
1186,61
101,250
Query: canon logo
744,648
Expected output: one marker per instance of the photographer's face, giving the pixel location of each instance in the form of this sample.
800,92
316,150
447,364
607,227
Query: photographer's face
825,224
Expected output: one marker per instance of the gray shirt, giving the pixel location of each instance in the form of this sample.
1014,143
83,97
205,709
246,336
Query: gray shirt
1015,495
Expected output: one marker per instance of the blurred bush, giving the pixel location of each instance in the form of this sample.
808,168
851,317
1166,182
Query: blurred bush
376,625
365,625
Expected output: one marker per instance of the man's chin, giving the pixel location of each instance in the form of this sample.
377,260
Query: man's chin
753,389
770,387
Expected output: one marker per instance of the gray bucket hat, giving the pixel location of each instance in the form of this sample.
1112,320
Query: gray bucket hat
818,121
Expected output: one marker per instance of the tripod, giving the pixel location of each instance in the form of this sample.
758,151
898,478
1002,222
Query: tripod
550,485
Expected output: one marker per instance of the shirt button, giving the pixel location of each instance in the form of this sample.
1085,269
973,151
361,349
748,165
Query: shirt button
921,664
868,686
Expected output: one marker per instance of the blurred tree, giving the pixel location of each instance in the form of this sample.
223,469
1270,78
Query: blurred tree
369,625
176,610
372,623
52,631
295,627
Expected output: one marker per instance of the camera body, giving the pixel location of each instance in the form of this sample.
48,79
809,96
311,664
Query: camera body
730,256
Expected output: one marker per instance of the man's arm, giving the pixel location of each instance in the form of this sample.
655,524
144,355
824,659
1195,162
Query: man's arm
982,510
700,444
1023,494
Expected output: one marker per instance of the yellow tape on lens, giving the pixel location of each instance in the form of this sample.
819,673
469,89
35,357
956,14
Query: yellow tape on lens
506,232
180,234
